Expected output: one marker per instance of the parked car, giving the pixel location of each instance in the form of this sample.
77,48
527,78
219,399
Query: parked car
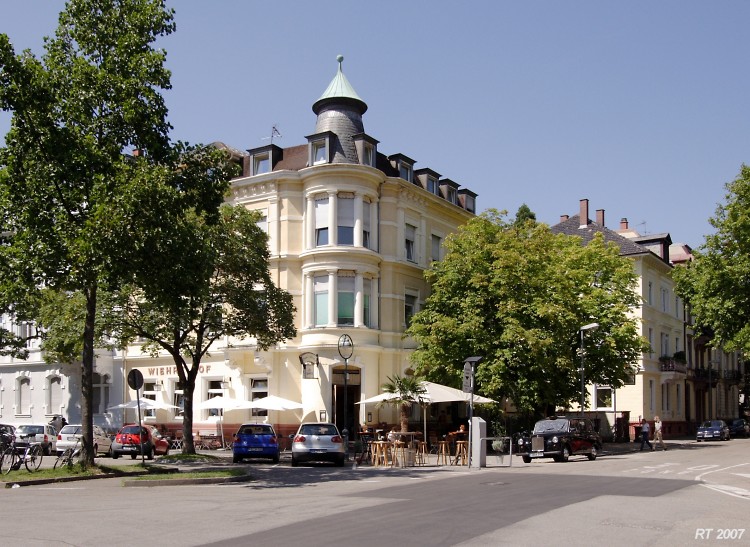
739,428
7,432
713,430
43,434
68,435
559,438
128,442
317,441
255,441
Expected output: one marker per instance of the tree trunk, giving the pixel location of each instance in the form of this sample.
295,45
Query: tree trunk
87,376
405,418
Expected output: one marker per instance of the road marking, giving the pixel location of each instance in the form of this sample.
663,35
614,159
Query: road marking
729,490
699,477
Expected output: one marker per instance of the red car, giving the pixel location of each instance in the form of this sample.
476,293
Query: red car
128,442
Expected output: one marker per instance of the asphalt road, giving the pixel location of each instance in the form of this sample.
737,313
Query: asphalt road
679,497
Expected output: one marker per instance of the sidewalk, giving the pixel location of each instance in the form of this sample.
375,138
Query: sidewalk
627,448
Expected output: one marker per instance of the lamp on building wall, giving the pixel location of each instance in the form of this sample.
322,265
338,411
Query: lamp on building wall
584,328
309,361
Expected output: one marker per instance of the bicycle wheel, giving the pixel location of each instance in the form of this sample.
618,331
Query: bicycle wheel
63,458
33,458
7,461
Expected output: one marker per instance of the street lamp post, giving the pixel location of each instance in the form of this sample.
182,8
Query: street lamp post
584,328
346,349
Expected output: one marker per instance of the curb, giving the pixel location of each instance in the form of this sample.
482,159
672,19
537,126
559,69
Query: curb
183,482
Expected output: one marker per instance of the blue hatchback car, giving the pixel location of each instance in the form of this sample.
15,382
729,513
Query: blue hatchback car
255,441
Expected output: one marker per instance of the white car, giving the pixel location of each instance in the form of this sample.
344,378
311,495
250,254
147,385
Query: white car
42,434
71,432
315,442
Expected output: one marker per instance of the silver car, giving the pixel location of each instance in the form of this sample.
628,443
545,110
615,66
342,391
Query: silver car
318,441
42,434
69,433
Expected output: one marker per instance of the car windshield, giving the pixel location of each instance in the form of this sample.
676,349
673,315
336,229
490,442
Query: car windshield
711,424
30,430
70,430
314,429
131,430
550,426
255,430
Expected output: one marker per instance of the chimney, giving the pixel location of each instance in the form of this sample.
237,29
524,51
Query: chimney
600,217
563,218
623,223
583,215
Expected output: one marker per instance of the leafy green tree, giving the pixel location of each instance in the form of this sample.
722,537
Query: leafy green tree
518,298
229,293
408,391
717,282
523,215
93,94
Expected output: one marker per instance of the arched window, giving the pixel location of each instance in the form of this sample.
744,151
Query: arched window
54,395
101,384
23,397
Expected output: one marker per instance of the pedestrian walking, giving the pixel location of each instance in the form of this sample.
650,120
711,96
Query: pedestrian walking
645,434
658,438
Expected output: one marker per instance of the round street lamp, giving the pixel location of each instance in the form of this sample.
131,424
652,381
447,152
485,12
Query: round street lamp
346,349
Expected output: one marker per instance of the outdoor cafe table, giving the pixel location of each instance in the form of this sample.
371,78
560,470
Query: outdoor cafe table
409,436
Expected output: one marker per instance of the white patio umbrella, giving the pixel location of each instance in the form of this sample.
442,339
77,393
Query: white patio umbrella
434,393
223,403
272,402
145,404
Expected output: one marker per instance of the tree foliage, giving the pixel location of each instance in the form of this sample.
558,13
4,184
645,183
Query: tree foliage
94,94
408,391
518,295
226,292
716,283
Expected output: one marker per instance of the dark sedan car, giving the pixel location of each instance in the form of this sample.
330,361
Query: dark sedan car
255,441
713,430
560,438
739,428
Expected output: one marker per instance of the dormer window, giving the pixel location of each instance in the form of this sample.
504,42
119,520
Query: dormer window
320,147
320,152
451,195
261,164
404,165
367,149
468,200
263,159
404,171
432,185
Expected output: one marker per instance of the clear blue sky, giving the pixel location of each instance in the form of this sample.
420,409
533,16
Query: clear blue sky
640,106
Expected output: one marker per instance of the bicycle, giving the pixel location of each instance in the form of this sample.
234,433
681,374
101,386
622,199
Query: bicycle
69,456
13,457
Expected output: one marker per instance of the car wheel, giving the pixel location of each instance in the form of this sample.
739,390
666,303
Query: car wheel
96,450
276,458
295,463
565,454
133,456
48,450
115,455
526,459
150,454
593,454
340,461
110,453
236,459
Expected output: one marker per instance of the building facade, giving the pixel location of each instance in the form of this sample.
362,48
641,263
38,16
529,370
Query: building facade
668,380
351,232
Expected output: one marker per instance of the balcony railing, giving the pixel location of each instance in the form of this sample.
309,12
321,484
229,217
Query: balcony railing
671,365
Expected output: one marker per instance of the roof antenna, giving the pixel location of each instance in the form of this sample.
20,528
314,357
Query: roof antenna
274,133
645,229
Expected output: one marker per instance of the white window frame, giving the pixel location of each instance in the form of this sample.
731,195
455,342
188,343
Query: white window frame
436,245
258,390
603,389
411,306
322,229
320,151
321,294
345,289
261,163
345,220
410,242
